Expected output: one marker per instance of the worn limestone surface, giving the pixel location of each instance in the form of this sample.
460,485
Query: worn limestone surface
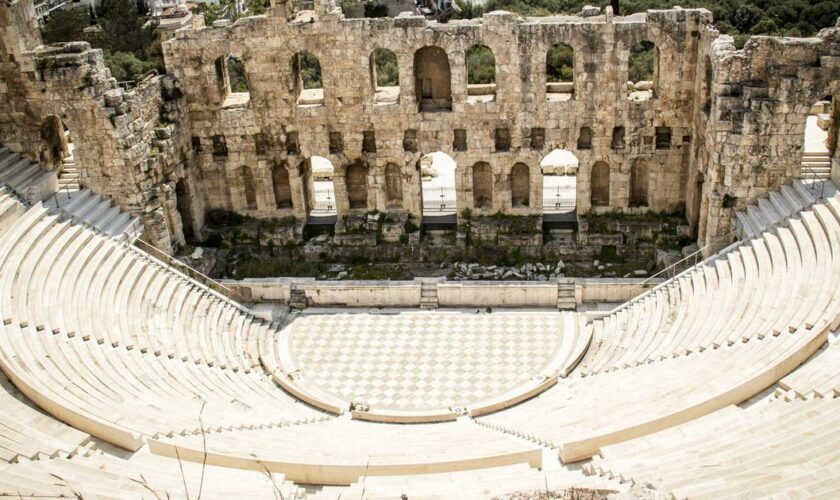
720,128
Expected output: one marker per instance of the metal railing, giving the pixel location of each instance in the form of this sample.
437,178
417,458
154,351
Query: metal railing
678,269
814,179
559,198
439,199
229,293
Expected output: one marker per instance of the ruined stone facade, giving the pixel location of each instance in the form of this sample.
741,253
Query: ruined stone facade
720,127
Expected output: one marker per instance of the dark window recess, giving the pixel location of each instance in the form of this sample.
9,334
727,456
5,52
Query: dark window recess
459,141
618,138
537,138
196,144
663,137
219,146
292,146
686,139
261,143
502,139
410,141
585,138
368,141
336,145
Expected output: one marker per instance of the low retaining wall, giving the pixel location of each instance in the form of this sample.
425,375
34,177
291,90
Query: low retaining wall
537,294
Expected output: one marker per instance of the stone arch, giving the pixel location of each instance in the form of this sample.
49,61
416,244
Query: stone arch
356,184
642,71
183,204
282,186
438,185
482,184
306,73
600,184
560,72
639,183
433,79
559,180
54,147
393,185
385,75
520,185
250,188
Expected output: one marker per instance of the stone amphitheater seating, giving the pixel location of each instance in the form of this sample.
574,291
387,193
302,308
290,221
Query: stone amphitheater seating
103,346
26,177
784,450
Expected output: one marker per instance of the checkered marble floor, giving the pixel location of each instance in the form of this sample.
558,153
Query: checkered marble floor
423,360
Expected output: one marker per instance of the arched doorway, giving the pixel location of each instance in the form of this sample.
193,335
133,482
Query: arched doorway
815,164
559,170
385,76
437,177
320,175
639,183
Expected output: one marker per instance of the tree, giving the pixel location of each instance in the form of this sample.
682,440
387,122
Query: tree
126,66
746,16
481,65
560,63
255,7
122,28
387,69
65,26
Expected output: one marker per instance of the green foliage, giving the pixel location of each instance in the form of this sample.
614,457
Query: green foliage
310,70
125,66
256,7
481,65
387,69
236,75
560,63
373,9
640,64
470,9
212,12
123,29
745,17
65,26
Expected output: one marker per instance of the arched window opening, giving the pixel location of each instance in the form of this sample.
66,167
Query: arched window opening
433,79
282,187
319,175
481,74
559,169
385,76
560,73
600,184
617,138
642,71
482,186
393,186
356,184
520,186
639,183
437,175
249,186
819,128
308,88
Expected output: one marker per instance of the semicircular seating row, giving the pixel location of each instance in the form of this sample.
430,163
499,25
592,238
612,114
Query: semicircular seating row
119,346
716,335
122,348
